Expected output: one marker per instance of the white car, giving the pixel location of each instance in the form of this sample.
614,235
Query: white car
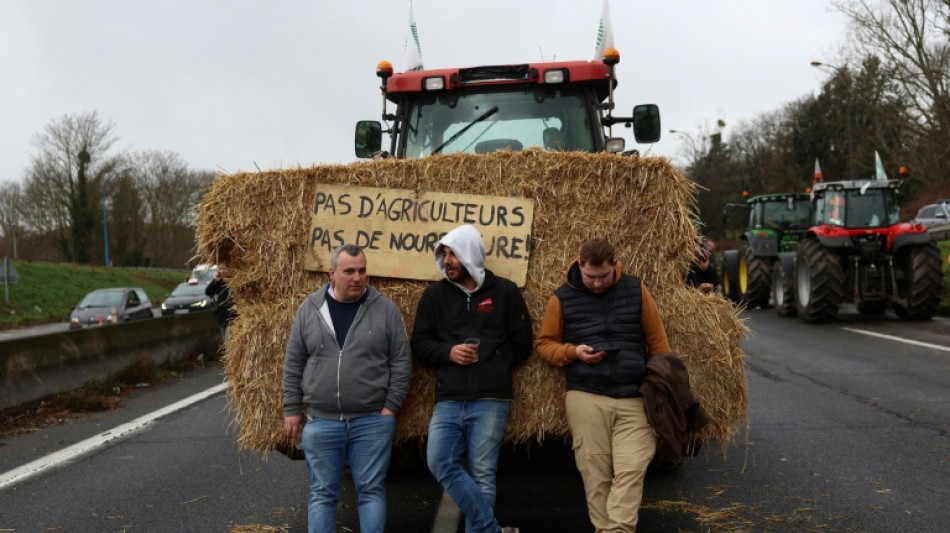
934,214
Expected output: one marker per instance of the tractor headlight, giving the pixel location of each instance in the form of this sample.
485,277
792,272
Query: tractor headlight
436,83
554,76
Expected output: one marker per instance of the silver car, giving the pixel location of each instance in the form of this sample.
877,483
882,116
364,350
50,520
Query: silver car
934,214
111,306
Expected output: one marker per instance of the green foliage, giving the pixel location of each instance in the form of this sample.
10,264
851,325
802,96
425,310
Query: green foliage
47,292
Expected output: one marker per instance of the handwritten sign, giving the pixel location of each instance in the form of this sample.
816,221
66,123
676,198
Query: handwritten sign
399,229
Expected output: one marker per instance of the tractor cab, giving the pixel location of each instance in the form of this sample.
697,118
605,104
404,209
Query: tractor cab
868,204
562,106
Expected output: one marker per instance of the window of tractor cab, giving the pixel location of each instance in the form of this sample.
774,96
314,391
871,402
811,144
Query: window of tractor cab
787,214
853,208
872,208
484,122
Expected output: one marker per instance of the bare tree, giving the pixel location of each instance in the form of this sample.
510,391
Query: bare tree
59,201
128,235
169,190
913,39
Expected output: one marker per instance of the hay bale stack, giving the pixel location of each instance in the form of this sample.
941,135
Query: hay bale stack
259,224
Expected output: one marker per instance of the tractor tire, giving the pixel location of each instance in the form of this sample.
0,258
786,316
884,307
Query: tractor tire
730,275
755,277
819,282
919,281
783,290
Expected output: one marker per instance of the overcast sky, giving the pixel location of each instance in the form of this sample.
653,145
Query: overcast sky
234,85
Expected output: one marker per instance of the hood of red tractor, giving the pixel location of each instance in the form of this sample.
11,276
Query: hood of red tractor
828,231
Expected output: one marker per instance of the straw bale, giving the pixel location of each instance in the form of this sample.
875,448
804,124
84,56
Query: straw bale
259,223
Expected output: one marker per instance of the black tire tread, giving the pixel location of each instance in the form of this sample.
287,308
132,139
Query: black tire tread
922,281
784,302
730,282
827,282
758,278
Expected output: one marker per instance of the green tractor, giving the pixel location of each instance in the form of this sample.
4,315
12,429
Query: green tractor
776,223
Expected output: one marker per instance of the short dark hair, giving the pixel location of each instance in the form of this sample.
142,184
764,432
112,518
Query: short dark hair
351,250
596,252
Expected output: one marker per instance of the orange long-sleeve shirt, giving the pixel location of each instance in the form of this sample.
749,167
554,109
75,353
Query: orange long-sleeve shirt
550,345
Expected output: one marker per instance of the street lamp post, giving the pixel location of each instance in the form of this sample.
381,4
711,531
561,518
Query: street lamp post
690,143
105,223
839,70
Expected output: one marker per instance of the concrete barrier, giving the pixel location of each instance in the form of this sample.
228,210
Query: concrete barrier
34,367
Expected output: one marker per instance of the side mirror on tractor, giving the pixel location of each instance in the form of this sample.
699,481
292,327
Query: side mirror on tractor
368,138
646,123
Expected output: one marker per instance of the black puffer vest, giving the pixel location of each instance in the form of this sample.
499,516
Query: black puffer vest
612,320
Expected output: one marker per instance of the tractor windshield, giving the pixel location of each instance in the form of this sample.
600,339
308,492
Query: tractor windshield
788,214
460,122
854,208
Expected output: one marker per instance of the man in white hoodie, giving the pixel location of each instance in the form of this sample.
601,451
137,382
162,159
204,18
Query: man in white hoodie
473,387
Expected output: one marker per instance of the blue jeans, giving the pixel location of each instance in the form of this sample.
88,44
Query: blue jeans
366,443
474,428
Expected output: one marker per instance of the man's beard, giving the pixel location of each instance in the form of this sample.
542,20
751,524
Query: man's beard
460,276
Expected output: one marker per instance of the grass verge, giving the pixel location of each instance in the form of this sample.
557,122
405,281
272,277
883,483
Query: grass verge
47,292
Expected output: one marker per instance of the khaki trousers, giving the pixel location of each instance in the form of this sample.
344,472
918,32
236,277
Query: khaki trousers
613,445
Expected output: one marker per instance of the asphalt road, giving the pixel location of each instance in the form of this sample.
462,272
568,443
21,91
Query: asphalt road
847,432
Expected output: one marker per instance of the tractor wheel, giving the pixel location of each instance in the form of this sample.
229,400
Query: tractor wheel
919,281
730,275
819,282
783,290
755,277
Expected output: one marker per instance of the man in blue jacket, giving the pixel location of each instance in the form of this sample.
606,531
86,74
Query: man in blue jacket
347,359
473,386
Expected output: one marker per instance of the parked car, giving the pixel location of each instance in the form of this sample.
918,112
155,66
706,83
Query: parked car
111,306
187,297
934,214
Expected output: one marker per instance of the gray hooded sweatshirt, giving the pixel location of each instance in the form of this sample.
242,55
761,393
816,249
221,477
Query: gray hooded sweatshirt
370,371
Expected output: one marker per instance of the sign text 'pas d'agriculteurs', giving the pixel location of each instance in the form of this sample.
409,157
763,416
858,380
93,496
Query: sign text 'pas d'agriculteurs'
399,229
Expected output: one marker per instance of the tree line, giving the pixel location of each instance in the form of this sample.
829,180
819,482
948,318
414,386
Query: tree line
84,202
889,92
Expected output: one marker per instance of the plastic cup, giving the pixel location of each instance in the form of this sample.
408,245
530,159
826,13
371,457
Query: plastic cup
474,342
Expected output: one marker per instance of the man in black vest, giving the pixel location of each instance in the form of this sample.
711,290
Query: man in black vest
601,326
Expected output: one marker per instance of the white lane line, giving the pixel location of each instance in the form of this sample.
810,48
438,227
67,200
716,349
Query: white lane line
899,339
448,516
75,451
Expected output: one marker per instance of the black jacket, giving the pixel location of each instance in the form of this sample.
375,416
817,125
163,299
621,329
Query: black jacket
220,295
697,276
496,313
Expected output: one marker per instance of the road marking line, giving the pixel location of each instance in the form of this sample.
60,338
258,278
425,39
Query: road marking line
899,339
447,517
79,449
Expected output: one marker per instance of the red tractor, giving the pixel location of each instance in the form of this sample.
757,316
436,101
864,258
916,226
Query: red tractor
562,106
859,252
